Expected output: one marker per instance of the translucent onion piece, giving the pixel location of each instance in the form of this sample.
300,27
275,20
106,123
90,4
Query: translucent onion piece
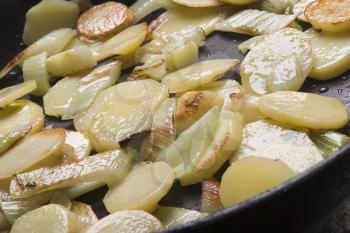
85,214
211,196
10,94
71,61
238,2
52,43
255,22
275,6
17,120
151,70
34,68
80,144
172,216
143,8
328,141
331,54
198,3
265,139
109,167
180,56
74,94
127,222
198,74
77,190
61,198
299,9
247,45
268,68
48,16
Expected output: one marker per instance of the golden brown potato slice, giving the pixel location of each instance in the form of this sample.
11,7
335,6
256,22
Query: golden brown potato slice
329,15
104,20
198,3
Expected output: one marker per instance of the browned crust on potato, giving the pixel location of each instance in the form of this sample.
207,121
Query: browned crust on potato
188,104
328,11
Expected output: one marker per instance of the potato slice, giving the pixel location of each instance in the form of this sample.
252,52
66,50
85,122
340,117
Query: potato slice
71,61
211,196
249,177
104,20
203,148
198,3
18,119
238,2
30,151
141,189
193,105
329,15
48,16
80,143
127,222
182,21
109,167
198,74
299,9
265,139
124,43
303,110
49,218
172,216
267,68
52,43
331,54
74,94
10,94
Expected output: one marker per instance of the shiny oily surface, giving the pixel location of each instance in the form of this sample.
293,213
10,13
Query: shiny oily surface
80,143
280,62
132,221
141,189
331,54
268,140
198,3
251,176
9,94
304,110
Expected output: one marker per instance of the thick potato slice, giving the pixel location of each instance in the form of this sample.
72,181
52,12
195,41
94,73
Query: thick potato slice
331,54
104,20
31,151
127,222
329,15
71,61
251,176
10,94
210,201
172,216
198,3
18,119
238,2
268,68
304,110
299,9
141,189
265,139
198,74
74,94
109,167
48,16
49,218
124,43
80,143
193,105
204,147
52,43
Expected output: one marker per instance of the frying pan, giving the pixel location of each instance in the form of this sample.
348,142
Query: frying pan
287,208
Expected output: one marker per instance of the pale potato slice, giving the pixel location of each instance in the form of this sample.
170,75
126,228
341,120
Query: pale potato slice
303,110
133,221
198,3
203,148
299,8
10,94
48,16
80,143
31,151
109,167
198,74
251,176
210,201
141,189
18,119
142,8
268,68
49,218
329,15
172,216
52,43
193,105
182,21
265,139
331,54
104,20
71,61
124,43
74,94
238,2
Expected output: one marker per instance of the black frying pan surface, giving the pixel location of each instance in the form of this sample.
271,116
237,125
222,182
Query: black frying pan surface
287,208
